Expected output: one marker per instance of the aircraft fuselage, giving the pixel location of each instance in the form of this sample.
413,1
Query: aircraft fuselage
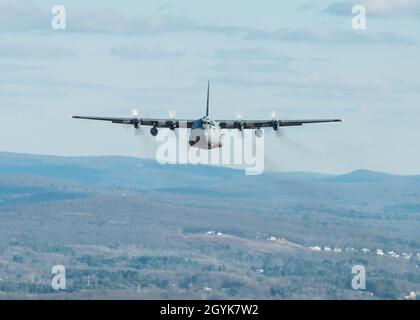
205,134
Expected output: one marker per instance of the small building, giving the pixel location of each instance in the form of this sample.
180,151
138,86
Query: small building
407,255
393,254
411,296
315,248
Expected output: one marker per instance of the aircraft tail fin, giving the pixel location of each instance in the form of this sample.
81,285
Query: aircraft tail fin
208,99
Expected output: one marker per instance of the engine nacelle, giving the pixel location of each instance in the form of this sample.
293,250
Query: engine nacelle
240,125
259,133
154,131
276,125
172,125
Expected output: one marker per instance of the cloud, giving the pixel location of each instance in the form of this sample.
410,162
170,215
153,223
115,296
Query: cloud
307,83
329,36
309,7
105,21
255,60
377,8
156,25
257,53
32,49
7,67
237,67
24,16
134,52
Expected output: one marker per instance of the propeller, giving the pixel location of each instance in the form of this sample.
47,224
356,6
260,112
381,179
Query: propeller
172,114
136,114
239,117
280,132
272,115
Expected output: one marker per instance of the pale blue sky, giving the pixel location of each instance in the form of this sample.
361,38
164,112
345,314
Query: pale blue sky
300,58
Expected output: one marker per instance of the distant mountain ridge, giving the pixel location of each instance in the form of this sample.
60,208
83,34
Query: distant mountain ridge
130,172
366,176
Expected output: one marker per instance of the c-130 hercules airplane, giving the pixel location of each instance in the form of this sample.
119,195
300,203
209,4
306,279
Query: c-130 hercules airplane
206,133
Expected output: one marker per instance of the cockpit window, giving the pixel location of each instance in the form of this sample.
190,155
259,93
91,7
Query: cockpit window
203,122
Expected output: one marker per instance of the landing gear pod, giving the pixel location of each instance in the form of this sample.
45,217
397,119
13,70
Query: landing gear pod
154,131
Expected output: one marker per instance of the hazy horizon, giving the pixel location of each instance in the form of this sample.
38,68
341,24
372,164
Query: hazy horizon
214,166
301,59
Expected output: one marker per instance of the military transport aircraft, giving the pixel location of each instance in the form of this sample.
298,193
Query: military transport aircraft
206,133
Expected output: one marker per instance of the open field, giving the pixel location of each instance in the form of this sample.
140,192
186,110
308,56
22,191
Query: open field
122,231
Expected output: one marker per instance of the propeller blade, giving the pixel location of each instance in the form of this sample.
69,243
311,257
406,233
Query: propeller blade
135,113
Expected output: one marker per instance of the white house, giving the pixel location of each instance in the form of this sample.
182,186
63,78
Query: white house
316,248
393,254
411,296
407,256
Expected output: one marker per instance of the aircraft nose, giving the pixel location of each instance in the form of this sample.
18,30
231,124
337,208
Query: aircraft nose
194,140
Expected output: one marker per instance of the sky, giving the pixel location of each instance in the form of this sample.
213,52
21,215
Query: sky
301,59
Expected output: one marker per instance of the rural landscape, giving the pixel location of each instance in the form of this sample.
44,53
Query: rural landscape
128,228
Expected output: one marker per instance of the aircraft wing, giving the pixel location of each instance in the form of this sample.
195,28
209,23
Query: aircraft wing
158,123
253,124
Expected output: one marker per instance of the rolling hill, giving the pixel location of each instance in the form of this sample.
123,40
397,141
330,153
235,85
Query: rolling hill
139,230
